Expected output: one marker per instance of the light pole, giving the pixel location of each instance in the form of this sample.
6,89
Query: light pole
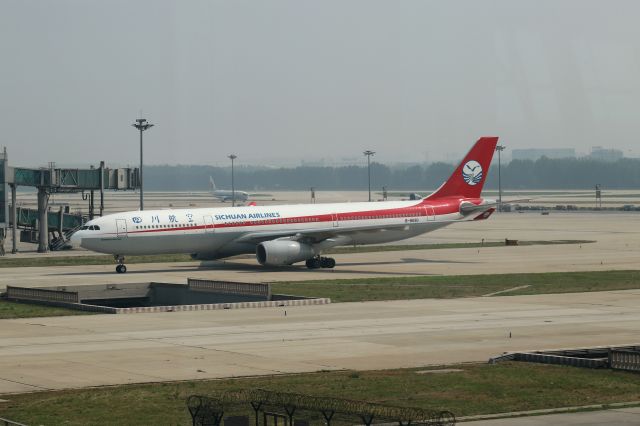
499,148
369,154
233,187
142,125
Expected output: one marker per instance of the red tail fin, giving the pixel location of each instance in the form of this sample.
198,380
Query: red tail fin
468,178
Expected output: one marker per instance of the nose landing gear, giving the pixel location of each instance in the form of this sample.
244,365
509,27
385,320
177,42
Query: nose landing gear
320,262
121,268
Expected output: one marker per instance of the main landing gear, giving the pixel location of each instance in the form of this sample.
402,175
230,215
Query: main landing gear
320,262
121,268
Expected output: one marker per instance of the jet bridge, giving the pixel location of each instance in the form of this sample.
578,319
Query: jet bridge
50,180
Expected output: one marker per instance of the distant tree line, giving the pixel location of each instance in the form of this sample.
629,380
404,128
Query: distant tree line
544,173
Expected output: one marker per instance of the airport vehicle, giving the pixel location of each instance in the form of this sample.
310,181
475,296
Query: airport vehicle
227,194
287,234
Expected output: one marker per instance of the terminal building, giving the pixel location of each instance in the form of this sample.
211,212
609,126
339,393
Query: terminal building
535,153
605,154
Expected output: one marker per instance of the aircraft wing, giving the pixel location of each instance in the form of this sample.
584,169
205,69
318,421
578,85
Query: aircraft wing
314,236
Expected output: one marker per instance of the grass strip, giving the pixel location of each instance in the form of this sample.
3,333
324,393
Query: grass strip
418,287
12,310
8,262
477,389
447,287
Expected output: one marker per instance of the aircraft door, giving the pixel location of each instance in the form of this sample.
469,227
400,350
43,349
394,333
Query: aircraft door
429,213
121,227
334,216
208,224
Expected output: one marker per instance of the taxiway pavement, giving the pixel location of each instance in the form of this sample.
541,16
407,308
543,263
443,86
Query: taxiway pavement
69,352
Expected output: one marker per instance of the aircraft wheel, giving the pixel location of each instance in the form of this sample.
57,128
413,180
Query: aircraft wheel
121,269
313,263
327,262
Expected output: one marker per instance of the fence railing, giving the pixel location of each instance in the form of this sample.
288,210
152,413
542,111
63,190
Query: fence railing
41,294
230,287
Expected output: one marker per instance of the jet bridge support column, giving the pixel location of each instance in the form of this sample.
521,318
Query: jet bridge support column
43,231
91,205
14,225
61,223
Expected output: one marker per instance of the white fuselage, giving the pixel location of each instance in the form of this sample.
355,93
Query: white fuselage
221,232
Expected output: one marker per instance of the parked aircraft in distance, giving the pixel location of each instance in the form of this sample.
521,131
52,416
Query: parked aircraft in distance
227,194
283,235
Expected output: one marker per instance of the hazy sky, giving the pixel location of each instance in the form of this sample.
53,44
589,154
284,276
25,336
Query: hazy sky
276,82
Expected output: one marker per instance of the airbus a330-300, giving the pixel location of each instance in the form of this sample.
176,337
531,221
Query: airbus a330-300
287,234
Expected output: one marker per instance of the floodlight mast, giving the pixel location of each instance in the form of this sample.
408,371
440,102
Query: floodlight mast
369,153
499,148
233,187
141,124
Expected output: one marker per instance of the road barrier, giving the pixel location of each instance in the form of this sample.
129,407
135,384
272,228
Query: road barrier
230,287
620,359
41,294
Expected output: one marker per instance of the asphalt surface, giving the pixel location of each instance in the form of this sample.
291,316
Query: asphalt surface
629,416
68,352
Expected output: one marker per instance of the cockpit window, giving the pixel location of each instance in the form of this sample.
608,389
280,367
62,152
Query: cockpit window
84,228
96,227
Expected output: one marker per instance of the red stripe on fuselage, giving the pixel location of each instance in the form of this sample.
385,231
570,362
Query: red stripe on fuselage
417,210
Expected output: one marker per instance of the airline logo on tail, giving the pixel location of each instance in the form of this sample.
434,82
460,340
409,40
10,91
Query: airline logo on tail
472,172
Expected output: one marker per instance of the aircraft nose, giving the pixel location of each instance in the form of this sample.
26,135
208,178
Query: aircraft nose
76,239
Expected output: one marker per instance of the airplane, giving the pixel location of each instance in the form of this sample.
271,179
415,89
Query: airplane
288,234
226,194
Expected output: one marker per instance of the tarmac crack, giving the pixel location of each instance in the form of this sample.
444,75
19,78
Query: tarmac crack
87,364
235,353
24,384
506,290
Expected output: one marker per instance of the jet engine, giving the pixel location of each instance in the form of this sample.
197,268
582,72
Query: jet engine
283,252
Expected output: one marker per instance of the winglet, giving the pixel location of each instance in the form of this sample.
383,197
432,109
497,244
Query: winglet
469,177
